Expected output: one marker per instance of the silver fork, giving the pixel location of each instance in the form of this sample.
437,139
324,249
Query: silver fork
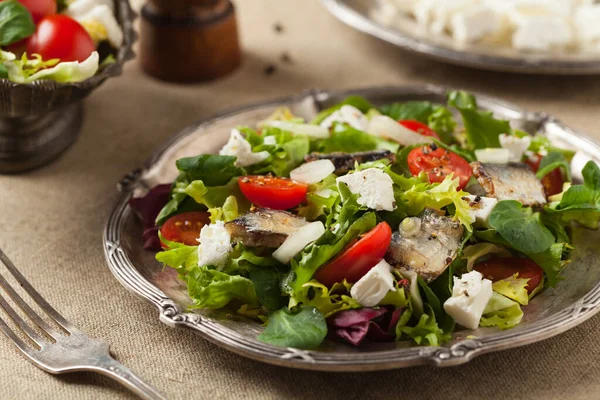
62,352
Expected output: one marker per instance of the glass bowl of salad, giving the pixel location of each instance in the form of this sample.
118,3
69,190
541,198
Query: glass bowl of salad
52,55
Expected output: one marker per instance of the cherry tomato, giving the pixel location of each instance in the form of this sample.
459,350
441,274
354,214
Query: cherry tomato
39,8
439,163
419,127
552,181
272,192
501,268
358,258
185,227
59,36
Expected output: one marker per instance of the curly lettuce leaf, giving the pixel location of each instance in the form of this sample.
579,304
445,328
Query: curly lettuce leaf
426,332
327,301
304,329
501,312
320,199
228,212
177,255
514,288
209,288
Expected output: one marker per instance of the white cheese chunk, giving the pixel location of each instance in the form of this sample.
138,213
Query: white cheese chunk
98,20
480,208
543,33
315,131
270,140
515,145
374,285
297,241
470,295
388,128
374,186
313,172
492,156
215,245
239,147
472,24
349,115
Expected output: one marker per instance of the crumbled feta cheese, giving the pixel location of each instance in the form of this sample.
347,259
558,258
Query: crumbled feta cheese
239,147
492,156
470,295
515,145
374,186
270,140
472,24
98,20
480,208
374,285
215,245
388,128
349,115
543,33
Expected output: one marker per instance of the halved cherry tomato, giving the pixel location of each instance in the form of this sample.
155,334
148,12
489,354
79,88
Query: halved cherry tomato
553,181
501,268
39,8
358,258
185,227
439,163
419,127
59,36
272,192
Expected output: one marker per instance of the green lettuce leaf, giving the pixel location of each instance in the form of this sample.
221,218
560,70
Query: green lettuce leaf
475,252
551,261
426,332
266,282
209,288
540,144
501,312
514,288
550,162
305,329
347,140
228,212
16,22
211,169
177,255
327,301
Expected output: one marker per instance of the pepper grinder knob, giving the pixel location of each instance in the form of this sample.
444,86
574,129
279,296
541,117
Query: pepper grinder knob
189,40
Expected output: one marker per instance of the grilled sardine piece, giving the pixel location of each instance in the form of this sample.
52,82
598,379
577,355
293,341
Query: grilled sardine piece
512,181
264,227
429,248
344,162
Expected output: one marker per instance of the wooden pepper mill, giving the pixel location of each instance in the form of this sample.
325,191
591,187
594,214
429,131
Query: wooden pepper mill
189,40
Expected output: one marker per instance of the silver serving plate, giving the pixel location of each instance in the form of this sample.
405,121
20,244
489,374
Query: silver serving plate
574,300
407,34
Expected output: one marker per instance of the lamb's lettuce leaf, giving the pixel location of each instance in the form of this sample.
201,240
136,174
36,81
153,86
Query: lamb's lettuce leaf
16,22
304,329
211,169
554,160
266,282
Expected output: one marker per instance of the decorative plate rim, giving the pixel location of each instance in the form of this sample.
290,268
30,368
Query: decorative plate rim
529,63
459,353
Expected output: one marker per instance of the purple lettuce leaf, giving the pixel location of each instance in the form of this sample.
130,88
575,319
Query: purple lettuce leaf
147,209
357,325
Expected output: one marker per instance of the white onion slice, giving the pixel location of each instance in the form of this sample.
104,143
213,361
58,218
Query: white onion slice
296,242
314,131
493,156
388,128
312,172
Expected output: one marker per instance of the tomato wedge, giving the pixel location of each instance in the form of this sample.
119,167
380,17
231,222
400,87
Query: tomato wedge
419,127
439,163
185,227
358,258
553,181
272,192
501,268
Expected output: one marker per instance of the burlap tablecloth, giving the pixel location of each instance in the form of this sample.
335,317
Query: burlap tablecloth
52,219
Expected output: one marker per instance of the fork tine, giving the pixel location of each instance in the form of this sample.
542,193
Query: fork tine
47,308
15,339
20,323
32,315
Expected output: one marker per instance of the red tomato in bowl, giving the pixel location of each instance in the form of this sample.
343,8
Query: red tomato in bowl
501,268
39,8
439,163
358,258
272,192
419,127
59,36
185,227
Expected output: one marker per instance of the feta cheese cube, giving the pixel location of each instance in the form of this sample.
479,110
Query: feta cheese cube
215,245
239,147
349,115
472,24
374,186
543,33
374,285
515,145
492,156
480,208
470,295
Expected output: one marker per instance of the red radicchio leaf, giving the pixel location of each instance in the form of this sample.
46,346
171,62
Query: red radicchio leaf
147,209
354,326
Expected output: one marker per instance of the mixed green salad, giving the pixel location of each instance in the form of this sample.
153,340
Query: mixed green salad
372,223
59,40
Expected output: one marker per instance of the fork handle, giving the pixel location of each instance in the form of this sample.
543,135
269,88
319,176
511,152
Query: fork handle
113,369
